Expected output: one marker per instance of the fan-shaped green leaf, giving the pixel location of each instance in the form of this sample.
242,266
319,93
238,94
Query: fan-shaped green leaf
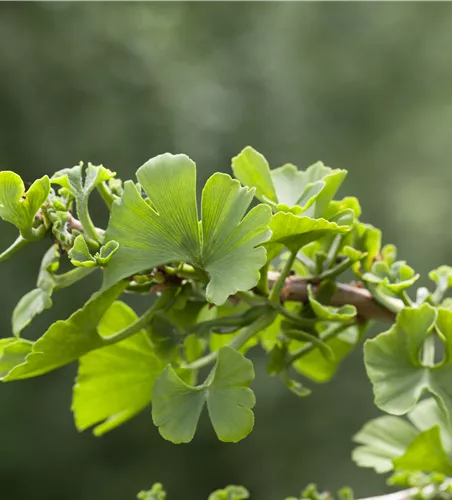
382,440
330,313
67,340
286,188
294,232
166,229
395,277
12,353
115,383
19,207
177,406
393,361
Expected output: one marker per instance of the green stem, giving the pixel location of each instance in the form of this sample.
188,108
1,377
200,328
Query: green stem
86,222
279,285
302,322
307,262
307,348
14,248
67,279
332,252
405,298
336,270
237,342
160,304
391,303
428,352
106,194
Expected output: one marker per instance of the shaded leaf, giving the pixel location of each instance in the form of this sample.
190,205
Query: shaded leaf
383,439
393,362
177,406
67,340
115,383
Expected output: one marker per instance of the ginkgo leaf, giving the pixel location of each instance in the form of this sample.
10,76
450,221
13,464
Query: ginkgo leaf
80,187
330,313
19,207
382,440
315,365
394,366
421,444
39,299
72,179
176,406
81,256
155,493
396,277
426,454
426,414
12,353
165,228
115,383
67,340
286,188
231,492
294,232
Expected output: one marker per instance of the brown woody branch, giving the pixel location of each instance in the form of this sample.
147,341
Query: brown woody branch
296,289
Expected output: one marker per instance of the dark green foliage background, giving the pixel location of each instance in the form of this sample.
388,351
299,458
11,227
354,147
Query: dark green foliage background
361,86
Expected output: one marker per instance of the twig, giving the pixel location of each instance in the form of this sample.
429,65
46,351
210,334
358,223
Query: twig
296,289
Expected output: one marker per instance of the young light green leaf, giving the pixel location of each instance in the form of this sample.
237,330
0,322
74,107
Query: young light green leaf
167,229
393,363
315,365
19,207
155,493
286,188
231,492
382,440
426,454
330,313
176,406
442,276
81,256
12,353
395,277
72,179
115,383
67,340
294,232
80,188
39,299
426,414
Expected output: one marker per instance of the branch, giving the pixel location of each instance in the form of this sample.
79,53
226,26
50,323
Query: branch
296,289
74,223
425,492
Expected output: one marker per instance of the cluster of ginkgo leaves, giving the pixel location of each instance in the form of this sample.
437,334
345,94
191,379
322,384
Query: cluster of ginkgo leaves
221,280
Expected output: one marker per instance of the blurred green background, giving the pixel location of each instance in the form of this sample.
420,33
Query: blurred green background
362,86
